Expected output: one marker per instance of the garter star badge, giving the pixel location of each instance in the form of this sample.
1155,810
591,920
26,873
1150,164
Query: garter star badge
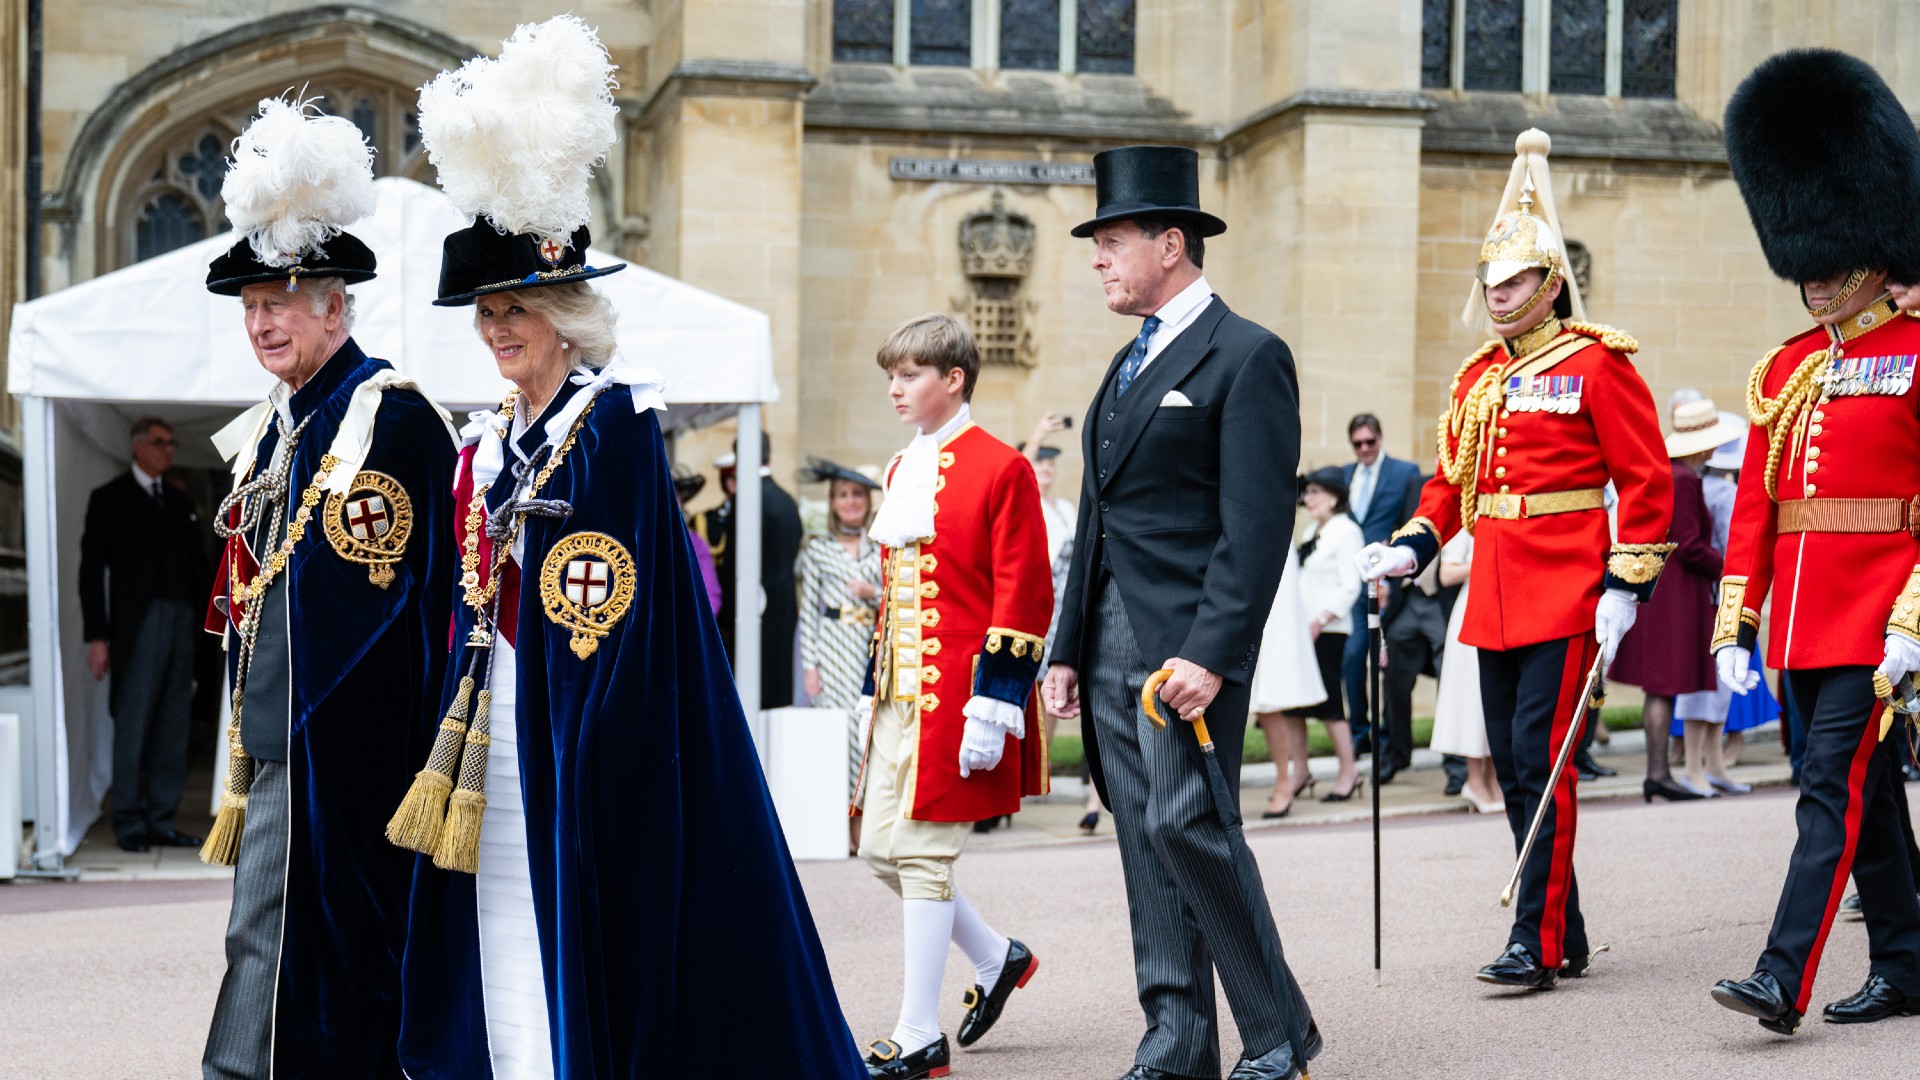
370,524
586,585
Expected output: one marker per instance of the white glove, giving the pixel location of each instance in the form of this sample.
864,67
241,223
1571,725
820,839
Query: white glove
989,722
1903,656
1612,619
1735,665
1385,560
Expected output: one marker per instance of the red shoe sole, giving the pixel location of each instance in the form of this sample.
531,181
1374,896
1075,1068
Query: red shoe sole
1027,976
941,1071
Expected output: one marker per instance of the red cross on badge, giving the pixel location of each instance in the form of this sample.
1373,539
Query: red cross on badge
587,582
367,518
552,250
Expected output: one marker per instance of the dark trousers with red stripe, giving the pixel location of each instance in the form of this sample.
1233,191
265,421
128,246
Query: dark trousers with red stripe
1530,695
1849,821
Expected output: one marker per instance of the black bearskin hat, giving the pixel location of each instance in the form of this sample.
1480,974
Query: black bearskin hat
1828,162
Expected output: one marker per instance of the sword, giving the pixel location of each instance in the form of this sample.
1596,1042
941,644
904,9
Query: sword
1590,697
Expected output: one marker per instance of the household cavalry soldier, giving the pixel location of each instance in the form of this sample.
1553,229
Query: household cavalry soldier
1828,512
333,599
1538,422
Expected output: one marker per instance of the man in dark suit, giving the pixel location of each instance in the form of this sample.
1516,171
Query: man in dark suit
1382,492
780,539
143,577
1191,447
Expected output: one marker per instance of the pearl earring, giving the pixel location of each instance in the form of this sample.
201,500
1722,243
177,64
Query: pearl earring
565,344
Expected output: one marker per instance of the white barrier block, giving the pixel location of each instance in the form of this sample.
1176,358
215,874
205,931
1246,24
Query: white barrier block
805,756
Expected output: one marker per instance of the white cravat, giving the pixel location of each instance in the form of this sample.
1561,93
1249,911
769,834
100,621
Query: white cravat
907,513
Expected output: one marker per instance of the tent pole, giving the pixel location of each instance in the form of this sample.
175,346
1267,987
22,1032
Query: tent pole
39,743
746,568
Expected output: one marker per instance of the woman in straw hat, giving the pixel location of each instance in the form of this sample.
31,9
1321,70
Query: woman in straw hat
608,892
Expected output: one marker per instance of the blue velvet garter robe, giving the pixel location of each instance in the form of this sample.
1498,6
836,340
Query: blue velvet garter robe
670,920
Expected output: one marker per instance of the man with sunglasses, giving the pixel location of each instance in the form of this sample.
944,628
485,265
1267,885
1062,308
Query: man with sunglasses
1383,493
142,569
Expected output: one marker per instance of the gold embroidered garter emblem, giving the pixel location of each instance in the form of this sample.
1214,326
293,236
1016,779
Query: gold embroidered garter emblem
370,524
586,585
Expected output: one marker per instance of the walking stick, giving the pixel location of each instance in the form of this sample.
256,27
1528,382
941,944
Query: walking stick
1376,659
1589,696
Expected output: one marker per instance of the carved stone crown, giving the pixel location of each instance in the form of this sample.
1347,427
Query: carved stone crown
996,243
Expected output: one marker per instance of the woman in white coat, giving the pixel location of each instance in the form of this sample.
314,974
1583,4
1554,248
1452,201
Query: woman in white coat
1329,586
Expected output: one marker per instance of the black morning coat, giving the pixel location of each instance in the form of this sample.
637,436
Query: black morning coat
1190,506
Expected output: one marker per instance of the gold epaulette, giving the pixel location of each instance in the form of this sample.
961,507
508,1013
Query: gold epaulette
1617,340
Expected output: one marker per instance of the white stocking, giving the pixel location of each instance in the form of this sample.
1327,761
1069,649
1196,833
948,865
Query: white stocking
929,930
983,946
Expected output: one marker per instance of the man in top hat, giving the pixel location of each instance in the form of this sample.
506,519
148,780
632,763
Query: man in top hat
1828,512
1190,445
1538,421
333,598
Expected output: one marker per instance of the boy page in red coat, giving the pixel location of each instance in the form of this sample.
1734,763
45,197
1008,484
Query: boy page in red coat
952,737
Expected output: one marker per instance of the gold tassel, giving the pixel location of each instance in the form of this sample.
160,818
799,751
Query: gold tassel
417,824
223,843
459,846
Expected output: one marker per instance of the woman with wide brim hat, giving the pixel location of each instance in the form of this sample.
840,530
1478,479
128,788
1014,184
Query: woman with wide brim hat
1665,652
605,891
839,597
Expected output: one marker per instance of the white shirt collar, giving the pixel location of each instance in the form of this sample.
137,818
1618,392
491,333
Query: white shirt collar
146,482
1185,305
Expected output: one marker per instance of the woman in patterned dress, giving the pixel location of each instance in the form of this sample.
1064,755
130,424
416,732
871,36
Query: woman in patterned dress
839,594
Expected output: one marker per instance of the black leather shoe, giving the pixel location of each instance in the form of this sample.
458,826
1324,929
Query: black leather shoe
1388,770
983,1006
886,1062
1518,967
1278,1063
1877,1000
175,838
136,843
1589,769
1759,996
1455,785
1850,907
1148,1072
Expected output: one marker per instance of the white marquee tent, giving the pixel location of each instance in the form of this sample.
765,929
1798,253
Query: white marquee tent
87,360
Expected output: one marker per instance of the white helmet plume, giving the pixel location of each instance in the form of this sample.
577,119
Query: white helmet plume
298,179
517,138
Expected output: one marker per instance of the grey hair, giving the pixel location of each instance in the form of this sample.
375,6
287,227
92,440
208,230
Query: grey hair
145,425
582,316
320,290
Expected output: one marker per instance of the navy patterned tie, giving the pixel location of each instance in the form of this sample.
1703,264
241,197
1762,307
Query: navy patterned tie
1137,355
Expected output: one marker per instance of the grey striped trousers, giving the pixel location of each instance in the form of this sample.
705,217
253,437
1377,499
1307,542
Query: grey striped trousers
1192,887
240,1045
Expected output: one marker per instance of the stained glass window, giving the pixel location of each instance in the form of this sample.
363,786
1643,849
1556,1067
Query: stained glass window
1648,47
1578,62
863,31
1436,44
367,118
206,165
1493,44
942,33
169,221
1104,36
1030,35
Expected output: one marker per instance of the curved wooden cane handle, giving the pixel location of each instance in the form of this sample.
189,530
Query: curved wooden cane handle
1150,703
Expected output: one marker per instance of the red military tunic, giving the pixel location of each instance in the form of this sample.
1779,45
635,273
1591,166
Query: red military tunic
1534,431
1847,420
966,613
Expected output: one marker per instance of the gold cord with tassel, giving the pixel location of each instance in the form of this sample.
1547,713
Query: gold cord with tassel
223,841
1788,410
422,815
1461,432
459,846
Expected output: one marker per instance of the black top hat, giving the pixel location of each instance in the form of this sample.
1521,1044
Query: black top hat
822,471
1828,162
481,259
343,257
1148,181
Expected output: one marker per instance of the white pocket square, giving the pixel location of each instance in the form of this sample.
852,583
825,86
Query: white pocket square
1175,400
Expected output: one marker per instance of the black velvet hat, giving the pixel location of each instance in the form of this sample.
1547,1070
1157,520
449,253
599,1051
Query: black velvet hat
343,257
1148,181
481,259
1829,165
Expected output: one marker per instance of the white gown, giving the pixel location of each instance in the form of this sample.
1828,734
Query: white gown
513,984
1287,676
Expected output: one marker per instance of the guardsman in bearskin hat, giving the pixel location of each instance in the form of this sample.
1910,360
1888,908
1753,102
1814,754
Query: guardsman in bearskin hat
1828,512
1539,420
333,599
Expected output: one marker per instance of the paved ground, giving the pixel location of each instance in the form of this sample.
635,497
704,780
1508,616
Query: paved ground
115,980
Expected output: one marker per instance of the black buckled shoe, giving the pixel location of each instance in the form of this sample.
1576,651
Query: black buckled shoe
1877,1000
1517,967
886,1062
1759,996
983,1006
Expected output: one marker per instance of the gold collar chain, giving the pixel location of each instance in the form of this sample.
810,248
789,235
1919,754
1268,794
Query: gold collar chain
480,594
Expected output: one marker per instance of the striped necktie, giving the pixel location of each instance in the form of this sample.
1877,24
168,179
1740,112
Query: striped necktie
1137,356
